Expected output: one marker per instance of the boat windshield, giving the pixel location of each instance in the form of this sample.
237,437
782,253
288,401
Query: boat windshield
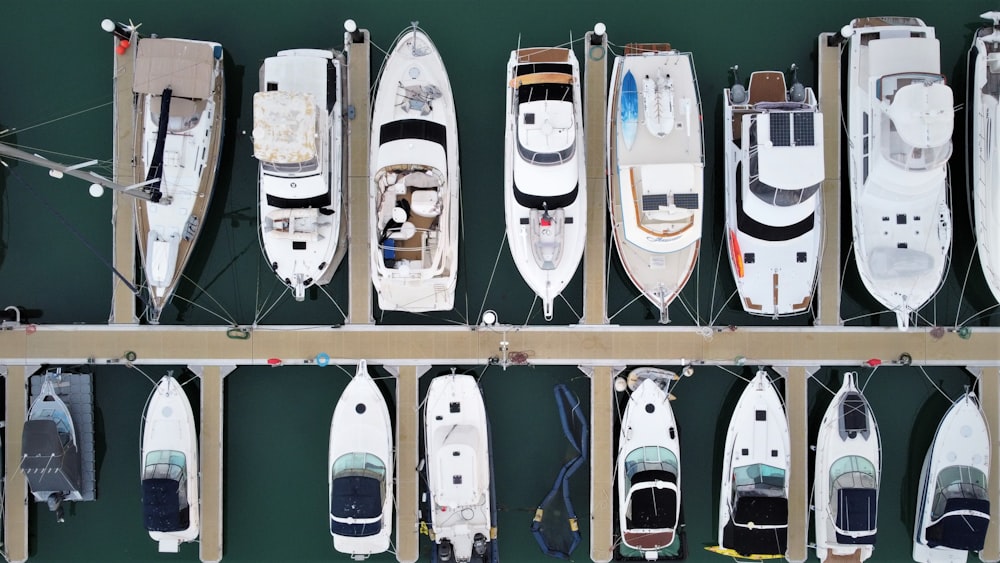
957,482
852,472
649,458
773,195
288,168
758,480
917,122
167,464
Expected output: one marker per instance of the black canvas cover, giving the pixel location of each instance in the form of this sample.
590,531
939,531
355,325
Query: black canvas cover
961,531
856,512
762,511
653,508
357,497
855,414
161,506
46,465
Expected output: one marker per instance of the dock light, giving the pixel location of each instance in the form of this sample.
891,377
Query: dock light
351,27
489,318
107,25
600,29
846,31
96,190
620,384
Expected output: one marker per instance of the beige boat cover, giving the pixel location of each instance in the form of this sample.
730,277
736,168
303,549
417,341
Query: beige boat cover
284,127
183,65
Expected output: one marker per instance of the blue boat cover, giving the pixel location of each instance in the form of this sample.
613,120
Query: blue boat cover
161,506
856,512
357,497
960,531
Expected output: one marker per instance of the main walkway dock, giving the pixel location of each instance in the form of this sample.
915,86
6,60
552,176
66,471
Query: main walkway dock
600,349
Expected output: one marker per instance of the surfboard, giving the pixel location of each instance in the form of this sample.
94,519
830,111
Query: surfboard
628,112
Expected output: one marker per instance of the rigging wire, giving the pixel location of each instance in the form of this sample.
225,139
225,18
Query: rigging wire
12,131
231,320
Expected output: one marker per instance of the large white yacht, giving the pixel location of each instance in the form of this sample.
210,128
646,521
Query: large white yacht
545,180
900,117
985,93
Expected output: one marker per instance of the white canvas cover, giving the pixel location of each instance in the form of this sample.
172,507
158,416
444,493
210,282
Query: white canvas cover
284,127
923,114
185,66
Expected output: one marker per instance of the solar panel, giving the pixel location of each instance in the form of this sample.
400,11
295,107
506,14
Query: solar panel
804,131
652,202
780,136
686,201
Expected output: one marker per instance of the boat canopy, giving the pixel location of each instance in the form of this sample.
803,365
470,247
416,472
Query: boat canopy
856,516
963,526
187,67
284,127
357,495
161,507
921,117
49,459
769,533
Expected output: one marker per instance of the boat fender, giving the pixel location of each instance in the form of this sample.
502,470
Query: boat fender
322,359
873,363
274,362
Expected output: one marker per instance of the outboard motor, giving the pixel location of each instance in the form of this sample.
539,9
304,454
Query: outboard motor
479,545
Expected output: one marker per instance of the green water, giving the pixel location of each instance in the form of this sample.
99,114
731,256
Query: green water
59,62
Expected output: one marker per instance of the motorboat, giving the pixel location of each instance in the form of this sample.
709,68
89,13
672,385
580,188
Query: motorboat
170,470
656,164
900,119
179,95
298,137
360,469
985,94
459,471
649,472
545,180
753,500
51,452
773,139
953,502
848,475
414,193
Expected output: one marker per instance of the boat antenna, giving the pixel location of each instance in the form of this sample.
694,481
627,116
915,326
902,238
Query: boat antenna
737,93
797,93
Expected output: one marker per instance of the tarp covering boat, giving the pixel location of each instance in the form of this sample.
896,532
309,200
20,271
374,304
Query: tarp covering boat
161,507
856,512
284,127
762,511
963,525
48,464
356,506
186,67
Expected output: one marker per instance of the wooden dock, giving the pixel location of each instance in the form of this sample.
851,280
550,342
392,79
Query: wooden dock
602,463
595,100
358,134
989,396
799,487
15,510
828,90
122,206
407,459
210,447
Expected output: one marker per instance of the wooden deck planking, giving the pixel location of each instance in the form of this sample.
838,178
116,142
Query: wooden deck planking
989,396
123,206
15,509
358,135
796,403
407,459
211,458
828,292
595,99
602,464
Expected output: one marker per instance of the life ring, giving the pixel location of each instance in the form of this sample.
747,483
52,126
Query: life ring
596,52
322,359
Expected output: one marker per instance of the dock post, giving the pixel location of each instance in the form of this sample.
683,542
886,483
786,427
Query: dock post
407,458
828,290
595,99
210,448
358,49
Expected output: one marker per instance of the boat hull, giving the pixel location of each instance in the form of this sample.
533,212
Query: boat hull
986,160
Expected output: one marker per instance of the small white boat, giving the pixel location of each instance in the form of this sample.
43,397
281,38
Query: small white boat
649,472
459,471
298,137
657,171
414,198
360,469
900,119
848,475
953,502
985,94
179,98
773,139
753,500
545,179
170,467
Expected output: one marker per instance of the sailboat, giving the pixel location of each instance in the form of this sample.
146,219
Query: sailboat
414,179
360,469
900,121
649,473
773,139
848,475
169,467
753,499
953,502
459,471
545,180
656,171
179,91
985,94
298,137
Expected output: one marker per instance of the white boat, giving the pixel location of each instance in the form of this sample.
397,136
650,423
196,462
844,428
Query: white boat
298,137
545,180
773,139
753,500
953,502
459,471
360,469
170,467
414,196
657,170
179,91
900,121
649,472
848,475
985,87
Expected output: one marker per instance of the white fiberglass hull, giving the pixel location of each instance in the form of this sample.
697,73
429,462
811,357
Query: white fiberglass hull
361,439
458,467
545,191
962,441
414,197
649,479
899,190
656,170
848,465
169,427
298,139
985,157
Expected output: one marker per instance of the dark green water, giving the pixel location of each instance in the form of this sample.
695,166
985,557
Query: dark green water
58,62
